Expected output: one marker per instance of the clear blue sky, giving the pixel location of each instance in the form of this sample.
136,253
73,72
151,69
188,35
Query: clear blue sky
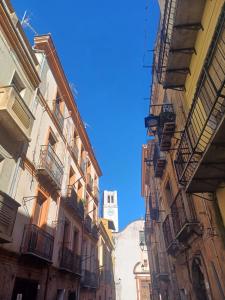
101,45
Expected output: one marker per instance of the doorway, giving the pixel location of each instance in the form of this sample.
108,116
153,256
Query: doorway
24,289
198,280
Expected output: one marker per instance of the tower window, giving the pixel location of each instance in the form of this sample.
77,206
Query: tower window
108,199
112,200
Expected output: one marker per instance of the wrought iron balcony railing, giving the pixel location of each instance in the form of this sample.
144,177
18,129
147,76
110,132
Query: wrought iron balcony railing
70,261
94,231
166,127
96,193
72,202
83,166
163,124
89,183
200,154
75,150
88,223
161,267
90,280
37,242
153,206
179,27
15,115
167,231
59,116
159,161
184,217
8,212
50,166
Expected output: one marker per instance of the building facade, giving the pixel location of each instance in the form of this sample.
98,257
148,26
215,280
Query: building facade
110,207
49,175
183,162
132,277
106,257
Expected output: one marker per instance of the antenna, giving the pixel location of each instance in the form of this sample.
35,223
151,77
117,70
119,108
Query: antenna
26,23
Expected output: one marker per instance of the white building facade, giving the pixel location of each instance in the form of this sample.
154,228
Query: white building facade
132,276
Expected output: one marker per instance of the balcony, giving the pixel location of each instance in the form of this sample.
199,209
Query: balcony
161,267
164,124
83,166
184,218
179,28
59,116
153,206
88,224
15,115
8,212
94,231
75,150
171,245
89,280
148,226
166,127
89,183
72,202
200,158
37,242
108,277
96,193
50,166
70,261
159,161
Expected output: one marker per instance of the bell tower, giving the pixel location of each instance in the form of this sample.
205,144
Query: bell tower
110,207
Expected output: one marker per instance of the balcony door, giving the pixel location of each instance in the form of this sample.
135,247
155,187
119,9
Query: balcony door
40,210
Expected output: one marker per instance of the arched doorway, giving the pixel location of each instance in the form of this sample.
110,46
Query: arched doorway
198,280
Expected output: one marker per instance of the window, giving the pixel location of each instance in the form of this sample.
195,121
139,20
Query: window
108,199
75,240
169,193
142,237
40,210
112,199
66,233
18,84
52,139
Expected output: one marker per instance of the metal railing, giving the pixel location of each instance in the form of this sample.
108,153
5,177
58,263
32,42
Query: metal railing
88,223
94,231
70,261
207,110
182,212
167,232
83,166
89,183
90,279
72,202
59,116
96,193
165,37
37,241
75,149
159,161
50,162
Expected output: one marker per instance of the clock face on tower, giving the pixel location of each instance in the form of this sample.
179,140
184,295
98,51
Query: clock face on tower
110,212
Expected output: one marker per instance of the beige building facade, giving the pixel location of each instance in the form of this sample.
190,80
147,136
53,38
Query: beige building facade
183,161
49,175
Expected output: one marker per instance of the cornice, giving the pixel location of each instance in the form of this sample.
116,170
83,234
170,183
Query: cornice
45,43
21,47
